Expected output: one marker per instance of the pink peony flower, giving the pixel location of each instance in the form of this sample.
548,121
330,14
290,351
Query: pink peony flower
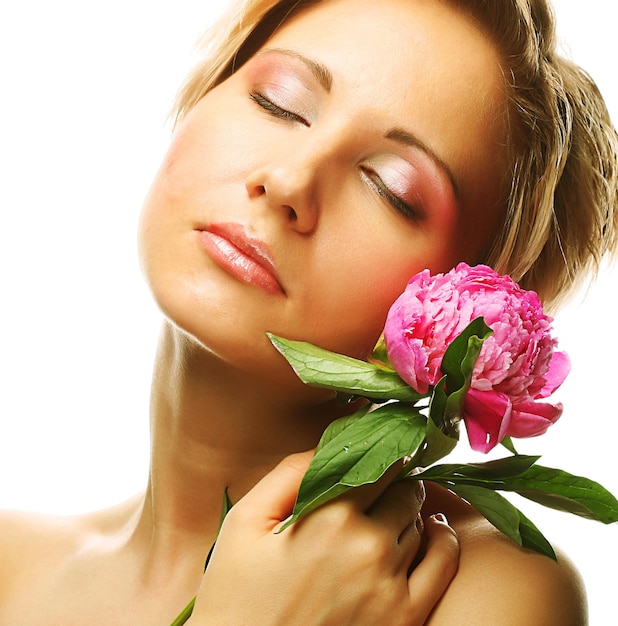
517,366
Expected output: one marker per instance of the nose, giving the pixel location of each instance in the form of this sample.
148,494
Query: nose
290,187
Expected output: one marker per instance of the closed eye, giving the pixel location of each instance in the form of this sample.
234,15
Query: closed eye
411,213
277,111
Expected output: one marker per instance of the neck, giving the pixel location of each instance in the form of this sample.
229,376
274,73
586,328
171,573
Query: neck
215,427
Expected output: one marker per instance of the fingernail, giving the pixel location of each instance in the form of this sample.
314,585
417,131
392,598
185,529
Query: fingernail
440,517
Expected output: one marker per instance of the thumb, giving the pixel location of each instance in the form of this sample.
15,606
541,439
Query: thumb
272,499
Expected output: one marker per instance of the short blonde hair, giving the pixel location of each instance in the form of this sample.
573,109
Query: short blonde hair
561,204
562,209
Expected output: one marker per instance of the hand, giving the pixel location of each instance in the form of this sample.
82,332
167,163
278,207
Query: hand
346,563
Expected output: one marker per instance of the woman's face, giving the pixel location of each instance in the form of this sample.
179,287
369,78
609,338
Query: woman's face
360,145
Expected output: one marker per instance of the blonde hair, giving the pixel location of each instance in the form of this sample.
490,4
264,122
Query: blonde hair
232,40
562,209
562,204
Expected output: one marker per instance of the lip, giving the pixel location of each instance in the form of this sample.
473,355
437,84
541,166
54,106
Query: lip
240,254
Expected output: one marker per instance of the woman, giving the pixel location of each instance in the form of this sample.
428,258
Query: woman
462,185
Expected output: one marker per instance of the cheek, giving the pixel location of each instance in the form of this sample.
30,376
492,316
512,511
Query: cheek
197,171
350,300
172,191
360,286
185,167
207,149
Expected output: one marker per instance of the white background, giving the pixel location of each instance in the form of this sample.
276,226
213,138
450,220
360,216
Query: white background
86,87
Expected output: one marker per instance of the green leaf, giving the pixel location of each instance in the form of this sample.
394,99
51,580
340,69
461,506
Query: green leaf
492,473
322,368
436,446
457,366
438,412
460,357
437,404
339,425
496,508
550,487
532,538
505,517
359,455
562,491
456,395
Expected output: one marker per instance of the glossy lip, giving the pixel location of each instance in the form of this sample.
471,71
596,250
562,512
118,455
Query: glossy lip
243,256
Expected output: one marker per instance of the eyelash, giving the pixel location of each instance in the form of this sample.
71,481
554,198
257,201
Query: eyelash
276,111
372,178
409,212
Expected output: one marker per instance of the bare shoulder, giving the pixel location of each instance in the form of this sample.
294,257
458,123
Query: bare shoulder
27,541
498,582
25,533
36,545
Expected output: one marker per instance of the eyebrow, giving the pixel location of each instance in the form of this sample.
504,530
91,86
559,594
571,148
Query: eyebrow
320,72
408,139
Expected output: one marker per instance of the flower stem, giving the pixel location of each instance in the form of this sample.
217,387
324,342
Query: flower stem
184,615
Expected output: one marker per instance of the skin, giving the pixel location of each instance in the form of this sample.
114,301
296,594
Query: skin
226,408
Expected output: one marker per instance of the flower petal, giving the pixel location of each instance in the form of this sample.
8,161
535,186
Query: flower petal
533,418
559,368
487,415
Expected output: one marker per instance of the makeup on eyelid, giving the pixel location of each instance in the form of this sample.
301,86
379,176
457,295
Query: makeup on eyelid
399,178
416,182
281,79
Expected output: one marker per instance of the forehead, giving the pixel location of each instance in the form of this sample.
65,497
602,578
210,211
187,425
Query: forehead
419,64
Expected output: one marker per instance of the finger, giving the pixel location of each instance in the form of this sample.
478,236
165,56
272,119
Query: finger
433,574
410,543
399,504
272,499
397,511
363,497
